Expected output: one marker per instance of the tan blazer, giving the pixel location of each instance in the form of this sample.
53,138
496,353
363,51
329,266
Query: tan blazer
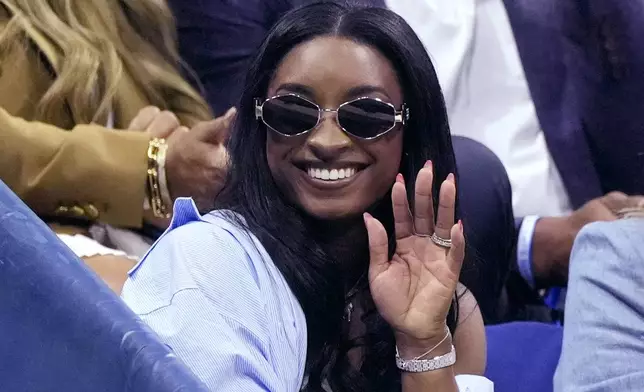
64,169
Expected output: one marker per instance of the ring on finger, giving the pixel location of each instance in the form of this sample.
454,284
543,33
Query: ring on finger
440,241
631,212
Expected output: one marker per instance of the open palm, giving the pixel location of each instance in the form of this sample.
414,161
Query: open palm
413,291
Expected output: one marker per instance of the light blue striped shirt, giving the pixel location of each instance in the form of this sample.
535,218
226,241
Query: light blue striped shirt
214,296
212,293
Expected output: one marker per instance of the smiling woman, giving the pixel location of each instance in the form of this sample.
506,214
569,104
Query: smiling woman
313,273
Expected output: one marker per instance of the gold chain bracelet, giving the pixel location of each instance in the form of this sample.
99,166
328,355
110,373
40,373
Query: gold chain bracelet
156,149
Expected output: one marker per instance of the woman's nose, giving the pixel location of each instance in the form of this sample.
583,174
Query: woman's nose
328,140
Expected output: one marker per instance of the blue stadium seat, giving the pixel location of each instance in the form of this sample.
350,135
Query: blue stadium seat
523,356
62,329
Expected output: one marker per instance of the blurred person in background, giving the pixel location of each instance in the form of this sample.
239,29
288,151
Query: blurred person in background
94,114
546,88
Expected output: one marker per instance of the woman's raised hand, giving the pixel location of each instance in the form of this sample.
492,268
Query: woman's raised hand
414,290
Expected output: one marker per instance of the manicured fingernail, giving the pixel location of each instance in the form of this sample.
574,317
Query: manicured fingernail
428,164
450,177
400,178
366,216
460,225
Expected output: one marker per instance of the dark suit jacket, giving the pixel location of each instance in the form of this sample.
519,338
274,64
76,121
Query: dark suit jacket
583,62
582,59
218,39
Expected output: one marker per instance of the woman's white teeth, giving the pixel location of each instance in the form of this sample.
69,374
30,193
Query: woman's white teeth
331,175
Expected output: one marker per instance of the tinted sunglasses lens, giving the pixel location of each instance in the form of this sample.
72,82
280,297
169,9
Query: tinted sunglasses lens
290,115
367,117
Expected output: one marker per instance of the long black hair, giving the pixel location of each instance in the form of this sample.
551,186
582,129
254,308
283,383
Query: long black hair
288,234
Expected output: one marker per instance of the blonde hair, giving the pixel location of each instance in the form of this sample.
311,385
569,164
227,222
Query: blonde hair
98,39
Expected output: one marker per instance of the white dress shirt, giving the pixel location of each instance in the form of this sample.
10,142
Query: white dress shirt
472,46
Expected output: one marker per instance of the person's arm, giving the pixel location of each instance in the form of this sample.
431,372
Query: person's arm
112,269
602,347
546,242
552,241
90,172
469,337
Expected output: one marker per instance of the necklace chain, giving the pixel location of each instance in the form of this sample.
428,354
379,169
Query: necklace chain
348,308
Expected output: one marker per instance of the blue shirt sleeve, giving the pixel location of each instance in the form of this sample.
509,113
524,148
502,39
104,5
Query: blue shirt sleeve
524,248
200,290
553,296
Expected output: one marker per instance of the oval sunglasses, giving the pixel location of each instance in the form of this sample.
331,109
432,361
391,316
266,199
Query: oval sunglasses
365,118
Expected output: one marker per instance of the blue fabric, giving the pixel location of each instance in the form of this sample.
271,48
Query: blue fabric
213,294
553,297
523,356
61,328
